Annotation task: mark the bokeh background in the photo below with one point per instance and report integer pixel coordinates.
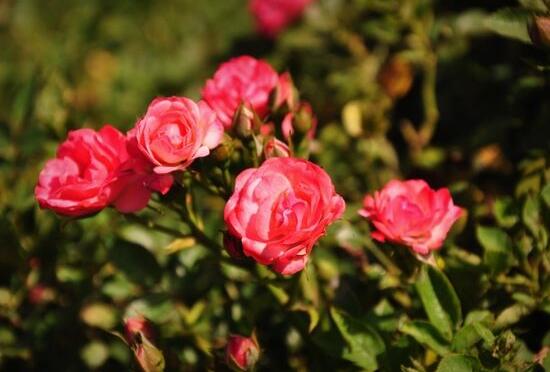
(442, 90)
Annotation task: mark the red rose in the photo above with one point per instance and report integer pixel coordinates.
(273, 16)
(90, 171)
(280, 210)
(175, 131)
(242, 353)
(243, 80)
(412, 214)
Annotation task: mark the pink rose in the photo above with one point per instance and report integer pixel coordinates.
(273, 16)
(280, 210)
(242, 80)
(86, 175)
(93, 170)
(242, 353)
(412, 214)
(175, 131)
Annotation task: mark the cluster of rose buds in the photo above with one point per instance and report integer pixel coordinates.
(280, 205)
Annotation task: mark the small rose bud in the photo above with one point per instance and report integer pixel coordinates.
(276, 149)
(138, 333)
(41, 294)
(137, 325)
(539, 31)
(233, 246)
(225, 150)
(305, 120)
(246, 122)
(242, 353)
(284, 93)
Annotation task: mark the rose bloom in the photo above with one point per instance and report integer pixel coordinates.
(242, 353)
(175, 131)
(273, 16)
(88, 174)
(242, 80)
(280, 210)
(412, 214)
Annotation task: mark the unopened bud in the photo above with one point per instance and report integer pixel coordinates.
(305, 120)
(242, 353)
(283, 93)
(224, 150)
(539, 31)
(246, 122)
(138, 333)
(276, 149)
(137, 325)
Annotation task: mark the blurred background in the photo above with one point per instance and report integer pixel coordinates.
(453, 92)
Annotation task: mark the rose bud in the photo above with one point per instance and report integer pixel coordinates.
(245, 122)
(539, 31)
(304, 121)
(233, 246)
(280, 210)
(284, 93)
(273, 16)
(242, 353)
(41, 294)
(138, 334)
(137, 325)
(93, 170)
(240, 81)
(175, 131)
(412, 214)
(274, 148)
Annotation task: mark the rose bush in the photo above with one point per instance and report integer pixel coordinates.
(374, 98)
(280, 210)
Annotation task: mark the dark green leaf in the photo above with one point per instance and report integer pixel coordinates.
(136, 262)
(426, 334)
(511, 23)
(440, 300)
(459, 363)
(364, 343)
(497, 247)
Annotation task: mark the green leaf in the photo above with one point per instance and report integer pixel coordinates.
(99, 315)
(470, 335)
(532, 218)
(497, 247)
(137, 263)
(459, 363)
(511, 23)
(426, 334)
(364, 344)
(537, 5)
(440, 300)
(94, 354)
(505, 212)
(545, 195)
